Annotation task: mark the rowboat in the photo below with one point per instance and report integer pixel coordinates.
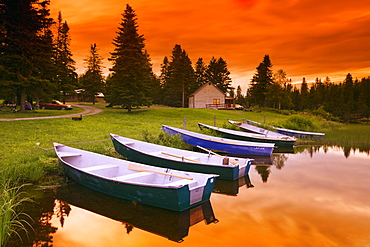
(227, 168)
(160, 187)
(284, 141)
(289, 132)
(234, 147)
(169, 224)
(256, 129)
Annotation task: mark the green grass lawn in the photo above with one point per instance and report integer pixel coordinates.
(26, 154)
(21, 158)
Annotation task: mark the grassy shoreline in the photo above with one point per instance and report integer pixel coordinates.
(21, 159)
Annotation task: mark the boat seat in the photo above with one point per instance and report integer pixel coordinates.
(132, 175)
(68, 154)
(94, 168)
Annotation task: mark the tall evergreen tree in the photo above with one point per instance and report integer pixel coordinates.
(219, 74)
(92, 80)
(24, 46)
(239, 96)
(132, 75)
(348, 97)
(201, 72)
(260, 82)
(66, 78)
(181, 78)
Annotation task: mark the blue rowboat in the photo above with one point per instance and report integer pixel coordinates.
(296, 133)
(159, 187)
(229, 146)
(227, 168)
(279, 141)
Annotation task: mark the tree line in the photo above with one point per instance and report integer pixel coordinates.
(36, 63)
(345, 100)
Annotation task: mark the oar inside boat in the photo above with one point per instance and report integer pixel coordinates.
(139, 168)
(180, 157)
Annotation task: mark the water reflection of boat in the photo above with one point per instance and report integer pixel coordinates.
(231, 188)
(166, 223)
(259, 160)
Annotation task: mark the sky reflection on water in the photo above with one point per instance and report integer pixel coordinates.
(316, 198)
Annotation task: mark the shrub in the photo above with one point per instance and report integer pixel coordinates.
(298, 122)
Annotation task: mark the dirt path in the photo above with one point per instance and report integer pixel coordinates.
(88, 110)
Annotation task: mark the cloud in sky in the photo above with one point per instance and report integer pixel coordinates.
(306, 38)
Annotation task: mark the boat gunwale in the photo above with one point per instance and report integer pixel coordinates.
(166, 186)
(224, 140)
(247, 135)
(230, 165)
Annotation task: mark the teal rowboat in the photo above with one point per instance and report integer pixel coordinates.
(185, 160)
(159, 187)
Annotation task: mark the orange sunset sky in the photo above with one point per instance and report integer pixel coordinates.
(305, 38)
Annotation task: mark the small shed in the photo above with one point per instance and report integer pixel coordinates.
(211, 97)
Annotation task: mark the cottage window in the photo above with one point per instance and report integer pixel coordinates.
(216, 101)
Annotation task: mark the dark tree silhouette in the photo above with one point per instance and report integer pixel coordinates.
(132, 77)
(92, 80)
(260, 83)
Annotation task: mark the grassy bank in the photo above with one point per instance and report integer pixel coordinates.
(20, 157)
(26, 154)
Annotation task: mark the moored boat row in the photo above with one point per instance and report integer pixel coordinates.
(279, 141)
(290, 132)
(167, 177)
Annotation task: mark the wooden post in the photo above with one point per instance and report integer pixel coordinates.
(214, 121)
(184, 123)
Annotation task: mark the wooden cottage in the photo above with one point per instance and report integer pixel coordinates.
(211, 97)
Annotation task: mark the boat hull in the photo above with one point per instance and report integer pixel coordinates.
(177, 198)
(294, 133)
(226, 146)
(224, 172)
(277, 141)
(299, 134)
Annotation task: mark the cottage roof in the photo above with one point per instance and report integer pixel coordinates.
(205, 85)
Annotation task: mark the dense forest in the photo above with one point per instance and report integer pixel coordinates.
(36, 63)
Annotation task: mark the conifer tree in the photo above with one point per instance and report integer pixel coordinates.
(218, 73)
(24, 46)
(260, 82)
(92, 80)
(201, 72)
(181, 79)
(239, 96)
(132, 77)
(66, 77)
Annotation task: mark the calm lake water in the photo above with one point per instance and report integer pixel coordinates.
(313, 197)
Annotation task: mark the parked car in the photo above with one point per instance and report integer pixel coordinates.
(55, 105)
(239, 107)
